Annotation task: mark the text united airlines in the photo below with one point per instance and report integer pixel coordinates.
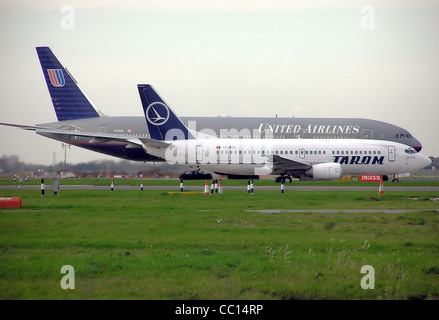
(323, 129)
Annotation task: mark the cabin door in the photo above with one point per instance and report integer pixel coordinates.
(199, 154)
(392, 155)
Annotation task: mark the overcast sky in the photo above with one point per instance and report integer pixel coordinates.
(344, 58)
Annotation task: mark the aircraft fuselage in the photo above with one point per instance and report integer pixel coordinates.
(229, 127)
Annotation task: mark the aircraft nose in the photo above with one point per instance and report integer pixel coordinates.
(426, 161)
(417, 145)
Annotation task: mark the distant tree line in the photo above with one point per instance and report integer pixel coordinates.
(10, 165)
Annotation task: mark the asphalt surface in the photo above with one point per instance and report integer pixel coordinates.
(243, 188)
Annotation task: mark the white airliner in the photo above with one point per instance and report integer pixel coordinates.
(321, 159)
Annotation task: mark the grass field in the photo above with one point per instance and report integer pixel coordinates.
(154, 245)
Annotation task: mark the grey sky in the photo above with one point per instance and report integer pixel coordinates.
(237, 58)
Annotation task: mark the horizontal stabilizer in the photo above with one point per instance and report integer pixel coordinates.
(21, 126)
(154, 143)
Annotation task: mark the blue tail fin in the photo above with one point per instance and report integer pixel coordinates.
(68, 99)
(162, 123)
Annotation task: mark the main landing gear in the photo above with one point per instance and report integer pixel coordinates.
(196, 175)
(285, 179)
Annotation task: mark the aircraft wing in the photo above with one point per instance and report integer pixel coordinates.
(99, 137)
(283, 165)
(95, 136)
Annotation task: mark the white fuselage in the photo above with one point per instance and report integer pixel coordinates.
(258, 156)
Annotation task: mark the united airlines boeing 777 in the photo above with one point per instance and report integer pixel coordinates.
(82, 124)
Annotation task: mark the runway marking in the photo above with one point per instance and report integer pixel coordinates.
(185, 192)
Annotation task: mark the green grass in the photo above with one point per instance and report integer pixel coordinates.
(153, 245)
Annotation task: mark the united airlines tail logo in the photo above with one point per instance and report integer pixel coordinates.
(56, 77)
(157, 113)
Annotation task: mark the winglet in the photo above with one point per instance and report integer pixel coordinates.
(162, 122)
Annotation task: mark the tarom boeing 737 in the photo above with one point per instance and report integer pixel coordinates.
(319, 159)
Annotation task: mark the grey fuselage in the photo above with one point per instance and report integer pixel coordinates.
(229, 127)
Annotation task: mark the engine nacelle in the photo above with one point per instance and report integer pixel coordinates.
(325, 171)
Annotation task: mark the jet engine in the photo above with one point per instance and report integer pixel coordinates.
(325, 171)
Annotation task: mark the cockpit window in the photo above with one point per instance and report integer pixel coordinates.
(410, 151)
(403, 136)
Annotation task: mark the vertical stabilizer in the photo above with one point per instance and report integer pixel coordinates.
(162, 122)
(69, 100)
